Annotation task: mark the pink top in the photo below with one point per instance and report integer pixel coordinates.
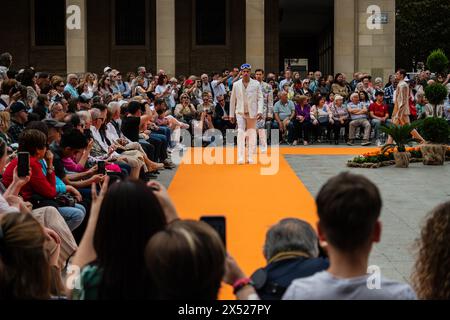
(72, 166)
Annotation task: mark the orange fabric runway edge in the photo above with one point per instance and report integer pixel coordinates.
(250, 201)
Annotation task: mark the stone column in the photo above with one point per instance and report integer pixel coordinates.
(165, 36)
(76, 40)
(344, 37)
(376, 42)
(254, 29)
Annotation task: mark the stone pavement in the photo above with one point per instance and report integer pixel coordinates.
(408, 195)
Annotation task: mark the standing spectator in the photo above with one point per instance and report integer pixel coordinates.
(379, 114)
(287, 80)
(339, 87)
(264, 124)
(359, 118)
(5, 63)
(218, 86)
(349, 225)
(389, 95)
(72, 83)
(291, 251)
(432, 267)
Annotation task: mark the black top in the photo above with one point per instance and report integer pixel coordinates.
(60, 172)
(272, 281)
(130, 128)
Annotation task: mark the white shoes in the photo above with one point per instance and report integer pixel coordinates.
(240, 161)
(263, 150)
(379, 144)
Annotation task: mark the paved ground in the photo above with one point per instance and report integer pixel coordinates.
(408, 195)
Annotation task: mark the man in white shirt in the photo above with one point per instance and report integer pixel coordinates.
(246, 106)
(218, 86)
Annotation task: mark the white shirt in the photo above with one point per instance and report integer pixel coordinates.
(219, 89)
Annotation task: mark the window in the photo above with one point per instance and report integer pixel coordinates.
(211, 22)
(130, 22)
(49, 22)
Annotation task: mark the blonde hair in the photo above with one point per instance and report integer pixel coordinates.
(5, 118)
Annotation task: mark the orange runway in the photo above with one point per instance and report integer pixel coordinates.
(250, 201)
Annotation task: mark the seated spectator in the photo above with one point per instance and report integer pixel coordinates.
(205, 112)
(54, 225)
(29, 271)
(57, 94)
(291, 251)
(57, 111)
(302, 121)
(112, 266)
(349, 226)
(186, 248)
(432, 267)
(135, 128)
(221, 115)
(105, 150)
(321, 118)
(358, 118)
(72, 83)
(42, 189)
(421, 102)
(5, 121)
(6, 98)
(284, 112)
(185, 111)
(165, 124)
(341, 118)
(379, 114)
(19, 117)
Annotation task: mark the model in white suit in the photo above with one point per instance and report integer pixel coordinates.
(246, 106)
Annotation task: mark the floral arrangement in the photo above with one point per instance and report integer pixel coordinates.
(376, 159)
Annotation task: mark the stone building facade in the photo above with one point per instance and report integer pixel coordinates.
(195, 36)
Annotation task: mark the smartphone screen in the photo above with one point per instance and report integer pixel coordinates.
(218, 223)
(23, 164)
(101, 167)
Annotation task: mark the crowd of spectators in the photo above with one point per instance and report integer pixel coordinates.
(62, 227)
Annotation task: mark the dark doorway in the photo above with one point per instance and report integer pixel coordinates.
(306, 34)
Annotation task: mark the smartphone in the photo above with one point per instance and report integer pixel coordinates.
(23, 164)
(218, 223)
(101, 167)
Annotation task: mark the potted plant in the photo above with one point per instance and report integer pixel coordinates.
(436, 132)
(401, 136)
(436, 94)
(437, 61)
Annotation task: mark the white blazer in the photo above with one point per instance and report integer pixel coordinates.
(254, 96)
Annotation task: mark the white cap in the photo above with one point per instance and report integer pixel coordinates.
(107, 69)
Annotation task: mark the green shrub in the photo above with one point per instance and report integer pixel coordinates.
(435, 130)
(436, 93)
(400, 134)
(437, 61)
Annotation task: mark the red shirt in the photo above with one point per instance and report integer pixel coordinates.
(379, 110)
(44, 186)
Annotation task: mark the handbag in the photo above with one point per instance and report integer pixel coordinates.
(65, 200)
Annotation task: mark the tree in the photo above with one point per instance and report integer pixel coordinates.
(421, 27)
(437, 61)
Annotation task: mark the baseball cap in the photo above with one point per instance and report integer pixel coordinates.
(107, 69)
(246, 66)
(16, 107)
(379, 93)
(51, 123)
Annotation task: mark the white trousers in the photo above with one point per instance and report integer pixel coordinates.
(246, 127)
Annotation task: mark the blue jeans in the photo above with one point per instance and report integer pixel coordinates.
(73, 215)
(376, 124)
(165, 131)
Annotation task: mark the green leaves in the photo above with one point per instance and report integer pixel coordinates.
(437, 61)
(421, 27)
(400, 134)
(436, 93)
(435, 130)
